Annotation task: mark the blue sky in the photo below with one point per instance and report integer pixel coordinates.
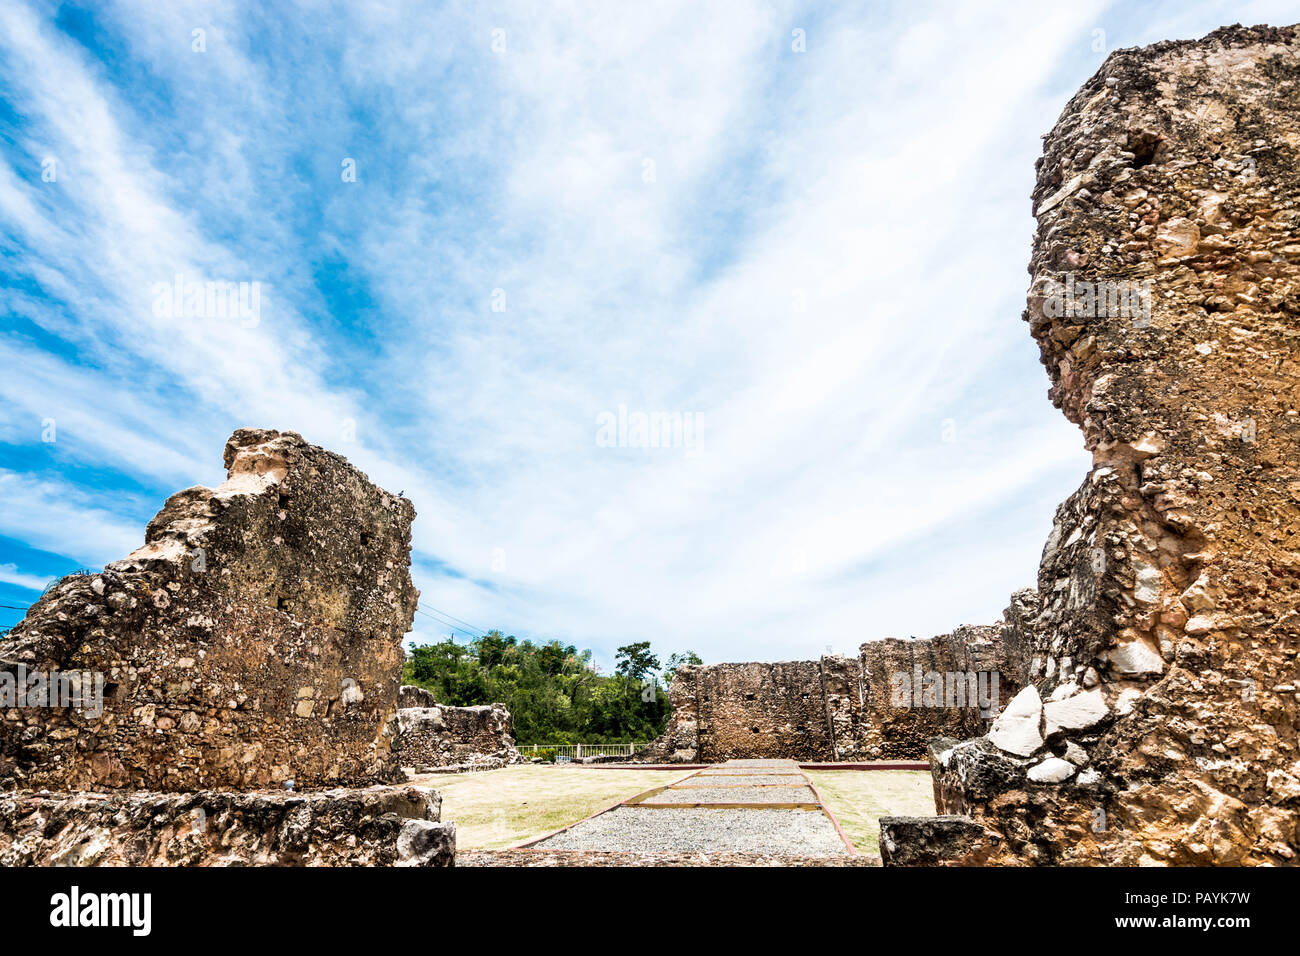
(817, 257)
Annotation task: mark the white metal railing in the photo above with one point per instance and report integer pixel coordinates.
(578, 751)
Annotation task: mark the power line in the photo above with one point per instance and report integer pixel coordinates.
(459, 621)
(15, 607)
(439, 620)
(447, 623)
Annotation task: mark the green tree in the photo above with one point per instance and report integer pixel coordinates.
(635, 660)
(551, 689)
(492, 648)
(551, 658)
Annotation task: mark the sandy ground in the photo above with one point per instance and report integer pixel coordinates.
(859, 798)
(497, 808)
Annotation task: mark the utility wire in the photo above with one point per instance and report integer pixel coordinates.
(447, 623)
(459, 621)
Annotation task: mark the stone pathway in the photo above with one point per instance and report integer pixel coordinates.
(738, 807)
(551, 858)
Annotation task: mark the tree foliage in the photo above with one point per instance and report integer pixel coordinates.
(552, 691)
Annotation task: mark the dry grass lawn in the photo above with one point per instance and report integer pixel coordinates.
(859, 798)
(496, 808)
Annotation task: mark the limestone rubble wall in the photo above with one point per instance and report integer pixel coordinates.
(439, 736)
(1160, 721)
(254, 639)
(755, 710)
(888, 729)
(377, 826)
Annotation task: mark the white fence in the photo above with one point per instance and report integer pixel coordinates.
(578, 751)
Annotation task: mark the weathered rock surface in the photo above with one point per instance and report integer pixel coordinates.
(1166, 629)
(254, 639)
(934, 841)
(441, 737)
(377, 826)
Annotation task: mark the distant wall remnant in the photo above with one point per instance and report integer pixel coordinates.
(254, 639)
(440, 737)
(409, 695)
(761, 710)
(886, 703)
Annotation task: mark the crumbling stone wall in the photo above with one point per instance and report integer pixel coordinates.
(680, 741)
(439, 737)
(409, 695)
(887, 727)
(255, 638)
(838, 708)
(1160, 723)
(376, 826)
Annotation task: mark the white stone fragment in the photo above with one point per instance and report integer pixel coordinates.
(1126, 699)
(1016, 729)
(1062, 691)
(1149, 582)
(1135, 658)
(1051, 770)
(1079, 712)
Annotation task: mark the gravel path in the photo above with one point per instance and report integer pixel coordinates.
(733, 795)
(720, 780)
(647, 830)
(550, 858)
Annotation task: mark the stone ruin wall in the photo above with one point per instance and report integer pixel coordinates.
(433, 736)
(255, 638)
(253, 643)
(1160, 722)
(758, 710)
(882, 729)
(833, 709)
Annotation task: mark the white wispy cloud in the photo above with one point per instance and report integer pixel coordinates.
(54, 516)
(9, 574)
(820, 254)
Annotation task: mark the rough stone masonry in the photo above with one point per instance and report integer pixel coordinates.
(840, 708)
(372, 826)
(1159, 724)
(255, 638)
(437, 737)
